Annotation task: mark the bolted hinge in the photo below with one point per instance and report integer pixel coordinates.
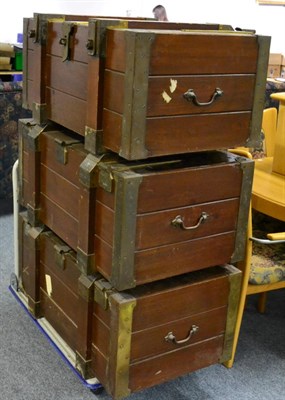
(67, 32)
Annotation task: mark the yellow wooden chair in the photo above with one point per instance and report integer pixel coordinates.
(268, 198)
(269, 124)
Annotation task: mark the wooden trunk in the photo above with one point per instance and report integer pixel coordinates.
(97, 50)
(66, 298)
(175, 92)
(56, 291)
(67, 71)
(136, 334)
(35, 67)
(64, 60)
(170, 216)
(51, 188)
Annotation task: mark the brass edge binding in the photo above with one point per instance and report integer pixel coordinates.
(234, 277)
(41, 21)
(124, 236)
(35, 234)
(97, 31)
(105, 178)
(86, 287)
(26, 229)
(87, 171)
(85, 293)
(33, 216)
(33, 136)
(25, 64)
(94, 140)
(39, 112)
(24, 125)
(22, 228)
(138, 49)
(255, 139)
(247, 167)
(225, 28)
(85, 262)
(83, 366)
(37, 34)
(34, 307)
(102, 291)
(121, 320)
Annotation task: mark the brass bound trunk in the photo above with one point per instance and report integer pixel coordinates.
(160, 331)
(56, 291)
(131, 339)
(66, 298)
(35, 66)
(169, 92)
(51, 190)
(64, 65)
(169, 216)
(147, 83)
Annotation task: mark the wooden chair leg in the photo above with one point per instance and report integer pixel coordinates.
(230, 362)
(262, 302)
(245, 267)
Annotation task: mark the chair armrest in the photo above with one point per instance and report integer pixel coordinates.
(276, 236)
(241, 151)
(273, 238)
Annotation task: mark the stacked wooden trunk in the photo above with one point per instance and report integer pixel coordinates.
(135, 212)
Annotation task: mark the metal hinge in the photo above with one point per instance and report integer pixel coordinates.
(91, 40)
(67, 32)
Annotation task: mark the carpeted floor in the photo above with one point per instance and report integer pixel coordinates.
(31, 369)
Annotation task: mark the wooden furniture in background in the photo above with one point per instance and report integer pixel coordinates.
(269, 123)
(268, 192)
(268, 197)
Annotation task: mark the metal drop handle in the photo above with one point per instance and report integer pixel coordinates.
(178, 222)
(190, 95)
(172, 339)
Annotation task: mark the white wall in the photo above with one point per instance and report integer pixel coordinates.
(266, 20)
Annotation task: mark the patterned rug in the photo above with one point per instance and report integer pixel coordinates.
(268, 261)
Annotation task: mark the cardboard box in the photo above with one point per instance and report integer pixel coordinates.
(275, 58)
(282, 70)
(274, 65)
